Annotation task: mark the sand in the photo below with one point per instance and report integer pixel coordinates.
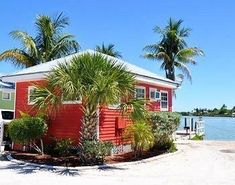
(197, 163)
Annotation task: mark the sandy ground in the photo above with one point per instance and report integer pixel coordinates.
(204, 163)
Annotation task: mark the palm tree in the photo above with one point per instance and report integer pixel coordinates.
(108, 50)
(172, 49)
(49, 43)
(92, 78)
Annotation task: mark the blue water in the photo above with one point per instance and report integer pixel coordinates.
(217, 128)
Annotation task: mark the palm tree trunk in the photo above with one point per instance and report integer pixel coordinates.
(89, 125)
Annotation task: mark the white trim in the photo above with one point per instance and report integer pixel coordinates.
(15, 101)
(71, 102)
(155, 90)
(164, 109)
(28, 95)
(98, 124)
(5, 98)
(141, 87)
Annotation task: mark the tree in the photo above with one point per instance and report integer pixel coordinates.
(108, 50)
(94, 79)
(28, 130)
(141, 136)
(172, 49)
(48, 44)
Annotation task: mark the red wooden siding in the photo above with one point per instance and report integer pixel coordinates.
(67, 122)
(108, 130)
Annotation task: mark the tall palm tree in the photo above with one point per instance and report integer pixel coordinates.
(108, 50)
(93, 78)
(172, 49)
(48, 44)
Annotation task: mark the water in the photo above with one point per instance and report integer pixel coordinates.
(217, 128)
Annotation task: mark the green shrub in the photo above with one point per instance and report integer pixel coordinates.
(94, 152)
(141, 136)
(63, 146)
(28, 130)
(164, 124)
(197, 137)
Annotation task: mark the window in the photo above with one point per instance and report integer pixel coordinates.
(8, 115)
(154, 94)
(164, 101)
(67, 101)
(31, 90)
(140, 92)
(6, 95)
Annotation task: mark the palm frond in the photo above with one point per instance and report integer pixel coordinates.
(184, 68)
(18, 57)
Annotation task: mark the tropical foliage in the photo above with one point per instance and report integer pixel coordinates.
(164, 124)
(28, 131)
(94, 79)
(223, 111)
(48, 44)
(141, 136)
(172, 50)
(109, 50)
(94, 152)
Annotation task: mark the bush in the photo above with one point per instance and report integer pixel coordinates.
(63, 146)
(164, 124)
(197, 137)
(94, 152)
(28, 130)
(141, 136)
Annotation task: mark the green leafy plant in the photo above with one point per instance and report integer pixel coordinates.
(197, 137)
(94, 152)
(28, 130)
(164, 124)
(63, 146)
(141, 137)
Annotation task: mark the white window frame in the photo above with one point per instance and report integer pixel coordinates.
(155, 91)
(143, 88)
(29, 89)
(72, 102)
(5, 98)
(164, 109)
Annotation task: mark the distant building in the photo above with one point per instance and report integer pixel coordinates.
(7, 95)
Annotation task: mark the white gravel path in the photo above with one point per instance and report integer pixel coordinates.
(199, 163)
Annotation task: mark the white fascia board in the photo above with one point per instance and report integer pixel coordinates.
(25, 77)
(157, 82)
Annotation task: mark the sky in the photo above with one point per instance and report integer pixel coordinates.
(129, 25)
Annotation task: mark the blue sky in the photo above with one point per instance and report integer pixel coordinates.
(129, 24)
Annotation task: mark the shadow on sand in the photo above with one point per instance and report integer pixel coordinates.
(24, 168)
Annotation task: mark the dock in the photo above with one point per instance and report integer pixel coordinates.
(192, 127)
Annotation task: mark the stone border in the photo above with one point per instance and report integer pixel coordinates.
(104, 166)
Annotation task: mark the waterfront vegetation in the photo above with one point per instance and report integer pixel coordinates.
(172, 50)
(48, 44)
(224, 111)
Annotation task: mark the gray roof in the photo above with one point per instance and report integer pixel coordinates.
(44, 68)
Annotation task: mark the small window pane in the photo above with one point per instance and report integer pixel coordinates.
(152, 94)
(140, 93)
(6, 96)
(164, 100)
(31, 91)
(157, 95)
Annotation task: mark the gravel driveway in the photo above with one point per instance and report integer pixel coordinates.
(206, 162)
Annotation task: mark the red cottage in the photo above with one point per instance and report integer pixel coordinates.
(66, 123)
